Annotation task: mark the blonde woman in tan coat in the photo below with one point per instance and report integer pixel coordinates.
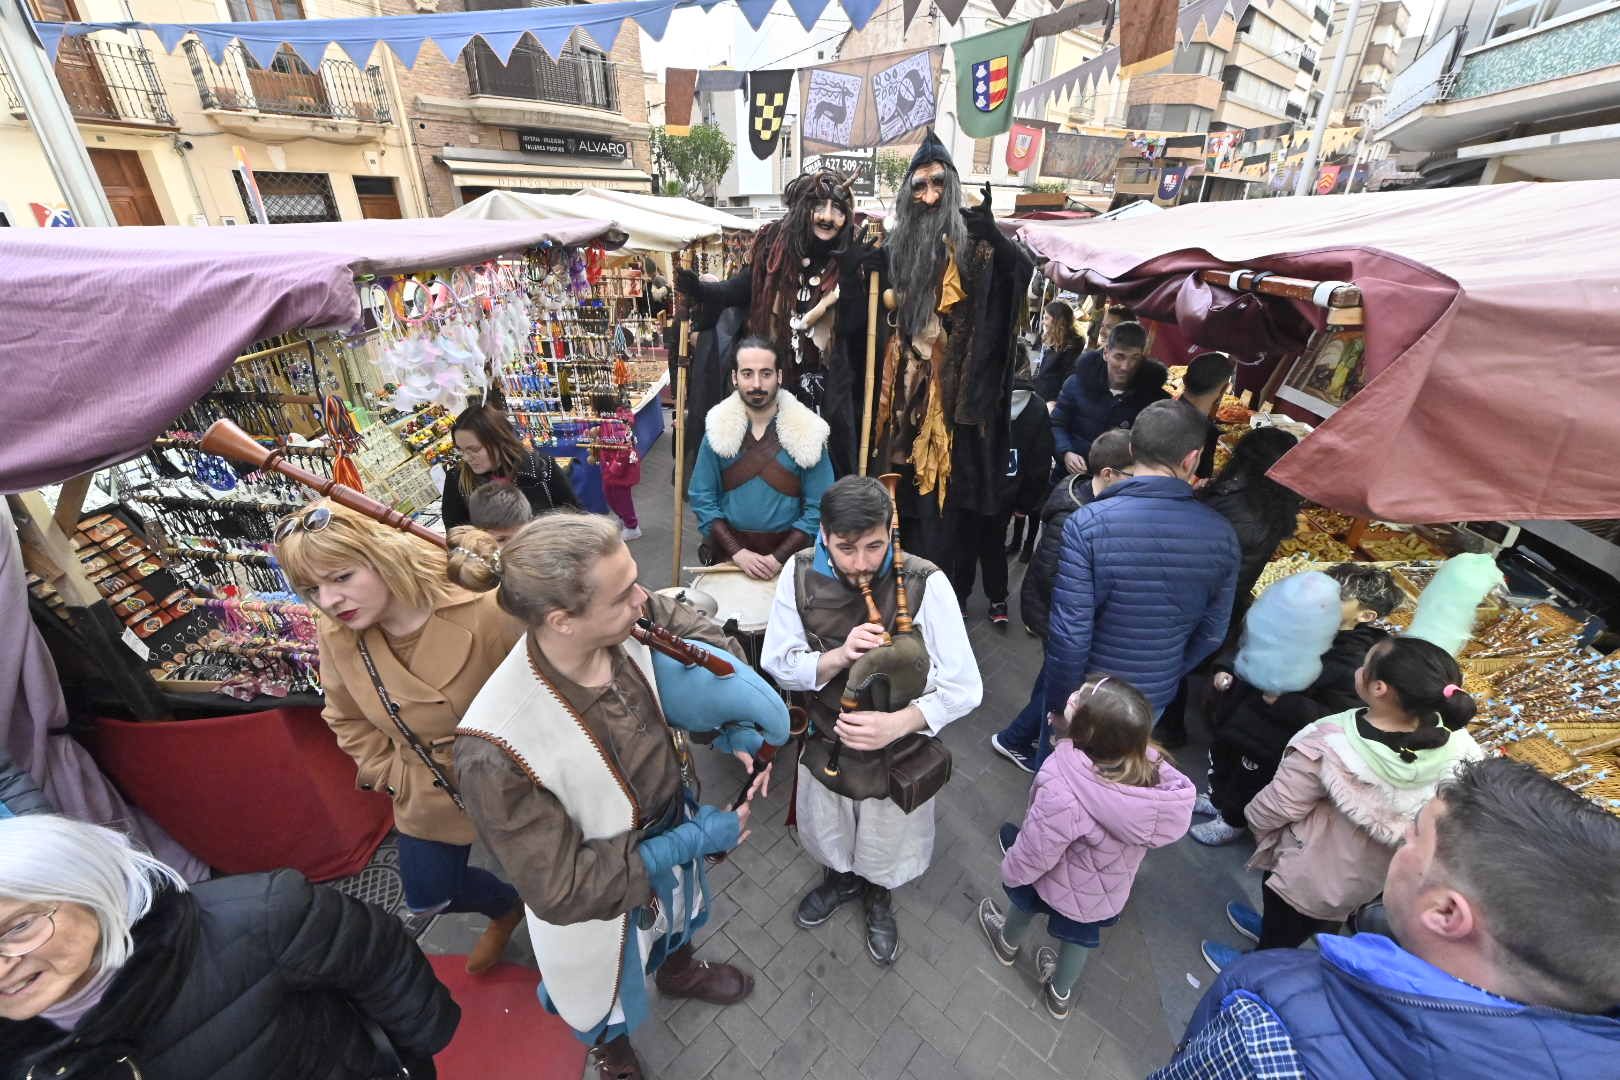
(395, 635)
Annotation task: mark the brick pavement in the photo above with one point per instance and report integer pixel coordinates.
(947, 1009)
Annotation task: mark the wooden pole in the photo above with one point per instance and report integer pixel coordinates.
(871, 370)
(680, 446)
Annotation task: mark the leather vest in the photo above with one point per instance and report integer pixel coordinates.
(829, 610)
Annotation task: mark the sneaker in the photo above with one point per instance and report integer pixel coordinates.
(1245, 920)
(1057, 1005)
(1202, 805)
(998, 615)
(1006, 835)
(1219, 956)
(1023, 759)
(1216, 833)
(630, 534)
(992, 921)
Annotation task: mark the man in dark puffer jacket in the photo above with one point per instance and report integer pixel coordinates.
(1502, 898)
(1147, 574)
(1107, 390)
(256, 977)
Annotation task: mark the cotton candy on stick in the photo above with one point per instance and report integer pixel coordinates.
(1286, 632)
(1448, 607)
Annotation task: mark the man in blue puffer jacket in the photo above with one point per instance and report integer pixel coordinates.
(1503, 898)
(1145, 580)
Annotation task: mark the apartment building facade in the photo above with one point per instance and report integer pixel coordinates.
(1253, 74)
(536, 123)
(1374, 43)
(165, 132)
(1506, 90)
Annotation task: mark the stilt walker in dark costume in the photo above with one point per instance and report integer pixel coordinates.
(955, 287)
(800, 268)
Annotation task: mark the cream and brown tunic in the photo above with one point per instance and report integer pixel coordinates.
(562, 877)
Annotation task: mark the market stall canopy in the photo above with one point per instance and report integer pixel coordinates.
(1492, 335)
(676, 206)
(109, 334)
(644, 229)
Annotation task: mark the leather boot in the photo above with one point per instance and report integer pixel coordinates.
(820, 902)
(492, 944)
(615, 1060)
(683, 975)
(882, 936)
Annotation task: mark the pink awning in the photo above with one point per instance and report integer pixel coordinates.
(107, 335)
(1493, 335)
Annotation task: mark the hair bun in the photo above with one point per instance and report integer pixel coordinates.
(475, 559)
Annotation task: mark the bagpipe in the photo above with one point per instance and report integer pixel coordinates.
(703, 689)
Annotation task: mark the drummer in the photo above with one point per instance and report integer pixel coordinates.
(756, 487)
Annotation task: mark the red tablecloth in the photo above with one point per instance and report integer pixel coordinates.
(251, 792)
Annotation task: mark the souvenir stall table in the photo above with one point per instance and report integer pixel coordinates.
(1431, 351)
(340, 345)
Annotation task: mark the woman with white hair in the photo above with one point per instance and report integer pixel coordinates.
(110, 967)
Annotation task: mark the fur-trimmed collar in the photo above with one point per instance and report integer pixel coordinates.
(1366, 798)
(801, 432)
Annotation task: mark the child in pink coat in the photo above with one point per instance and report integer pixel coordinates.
(1103, 797)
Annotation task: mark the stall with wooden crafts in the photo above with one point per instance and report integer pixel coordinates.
(1423, 347)
(344, 349)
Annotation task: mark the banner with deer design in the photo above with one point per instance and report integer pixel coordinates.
(872, 101)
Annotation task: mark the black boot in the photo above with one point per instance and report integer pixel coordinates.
(882, 936)
(820, 902)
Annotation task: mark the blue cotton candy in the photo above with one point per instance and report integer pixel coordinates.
(1447, 609)
(1286, 632)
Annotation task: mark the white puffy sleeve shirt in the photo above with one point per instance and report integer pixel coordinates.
(954, 688)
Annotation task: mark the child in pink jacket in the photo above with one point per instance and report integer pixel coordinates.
(1103, 797)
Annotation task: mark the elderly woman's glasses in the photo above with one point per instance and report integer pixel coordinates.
(24, 937)
(309, 521)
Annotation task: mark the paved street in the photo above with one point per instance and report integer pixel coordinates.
(946, 1009)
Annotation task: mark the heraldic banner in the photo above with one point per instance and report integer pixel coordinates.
(767, 108)
(1023, 146)
(872, 101)
(1080, 157)
(986, 77)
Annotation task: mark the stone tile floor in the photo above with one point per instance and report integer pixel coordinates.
(946, 1009)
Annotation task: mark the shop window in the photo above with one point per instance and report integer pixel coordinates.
(291, 198)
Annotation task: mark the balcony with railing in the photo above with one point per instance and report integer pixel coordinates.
(337, 91)
(585, 79)
(105, 81)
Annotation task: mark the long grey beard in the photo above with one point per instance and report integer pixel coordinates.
(917, 254)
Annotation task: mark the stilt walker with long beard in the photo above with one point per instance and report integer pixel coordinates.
(955, 289)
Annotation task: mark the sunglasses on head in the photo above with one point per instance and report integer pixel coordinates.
(310, 521)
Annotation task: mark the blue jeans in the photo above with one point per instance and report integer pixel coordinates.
(438, 879)
(1028, 732)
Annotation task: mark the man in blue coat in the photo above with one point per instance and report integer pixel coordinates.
(1146, 574)
(1503, 901)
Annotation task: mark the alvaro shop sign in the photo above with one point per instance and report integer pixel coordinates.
(569, 144)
